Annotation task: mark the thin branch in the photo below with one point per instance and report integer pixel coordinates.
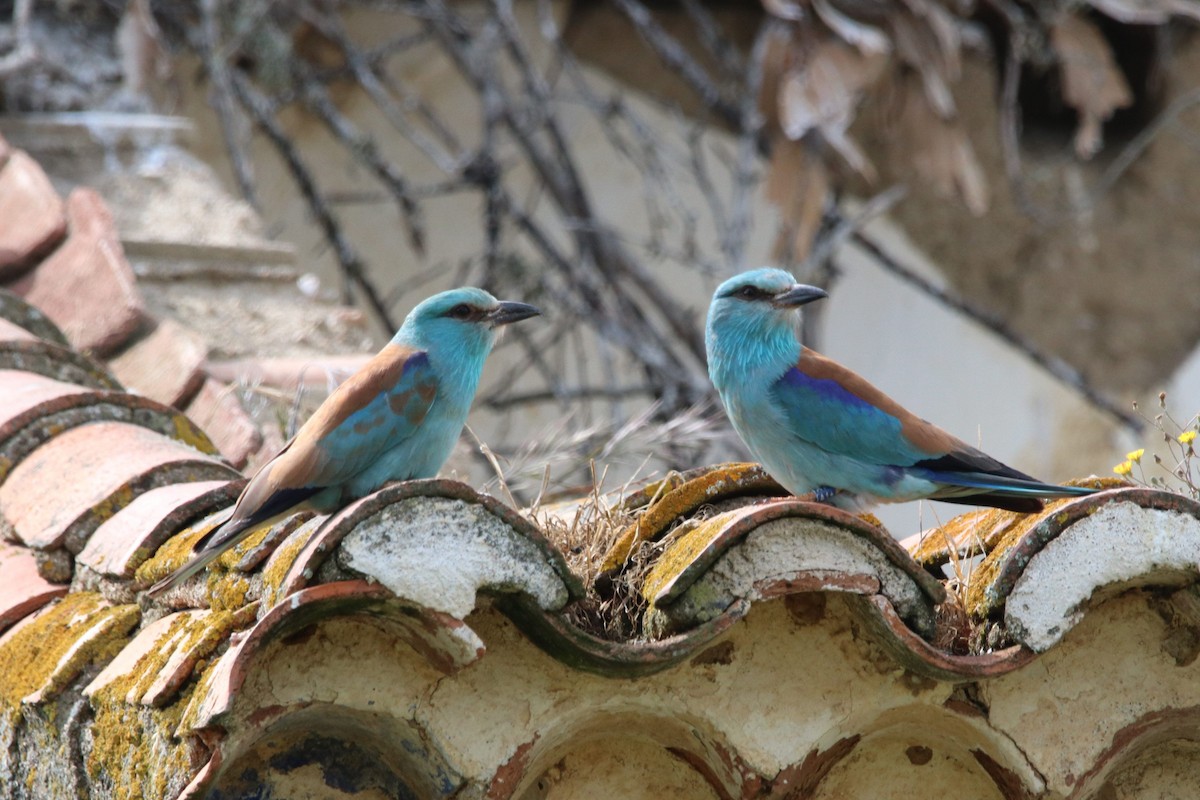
(262, 111)
(218, 75)
(367, 74)
(24, 52)
(717, 44)
(678, 61)
(364, 150)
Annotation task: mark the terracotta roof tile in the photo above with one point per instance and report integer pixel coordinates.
(164, 363)
(22, 589)
(92, 472)
(33, 409)
(571, 645)
(5, 151)
(277, 571)
(48, 650)
(216, 409)
(33, 214)
(1083, 550)
(784, 546)
(129, 537)
(163, 655)
(454, 542)
(86, 286)
(20, 313)
(680, 496)
(53, 361)
(10, 331)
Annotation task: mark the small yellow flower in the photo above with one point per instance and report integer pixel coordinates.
(1187, 437)
(1136, 455)
(1124, 468)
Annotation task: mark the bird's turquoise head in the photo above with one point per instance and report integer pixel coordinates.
(752, 322)
(459, 326)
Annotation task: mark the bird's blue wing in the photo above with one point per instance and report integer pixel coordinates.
(378, 408)
(831, 407)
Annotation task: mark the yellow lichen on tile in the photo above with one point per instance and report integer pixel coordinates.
(133, 745)
(871, 519)
(680, 501)
(970, 534)
(1005, 537)
(113, 503)
(681, 553)
(230, 558)
(173, 553)
(276, 570)
(190, 434)
(227, 591)
(51, 650)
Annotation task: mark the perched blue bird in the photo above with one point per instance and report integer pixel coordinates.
(818, 427)
(396, 419)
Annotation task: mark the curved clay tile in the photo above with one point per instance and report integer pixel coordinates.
(54, 361)
(995, 576)
(34, 409)
(34, 216)
(164, 363)
(15, 310)
(780, 548)
(579, 649)
(130, 536)
(93, 471)
(681, 496)
(22, 589)
(86, 286)
(1094, 547)
(437, 543)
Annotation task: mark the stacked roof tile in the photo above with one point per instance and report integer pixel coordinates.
(420, 642)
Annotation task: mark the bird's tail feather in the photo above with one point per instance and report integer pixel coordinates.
(1004, 485)
(198, 562)
(1001, 491)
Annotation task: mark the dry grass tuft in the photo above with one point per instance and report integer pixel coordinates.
(585, 531)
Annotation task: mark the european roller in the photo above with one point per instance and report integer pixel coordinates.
(819, 428)
(396, 419)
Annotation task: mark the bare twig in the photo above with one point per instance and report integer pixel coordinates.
(218, 74)
(679, 62)
(364, 149)
(262, 112)
(24, 52)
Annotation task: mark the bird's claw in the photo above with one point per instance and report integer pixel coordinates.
(823, 494)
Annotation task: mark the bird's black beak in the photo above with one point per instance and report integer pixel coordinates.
(509, 311)
(797, 296)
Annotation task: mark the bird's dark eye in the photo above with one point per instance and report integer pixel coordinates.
(461, 311)
(748, 292)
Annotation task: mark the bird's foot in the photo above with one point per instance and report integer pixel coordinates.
(824, 494)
